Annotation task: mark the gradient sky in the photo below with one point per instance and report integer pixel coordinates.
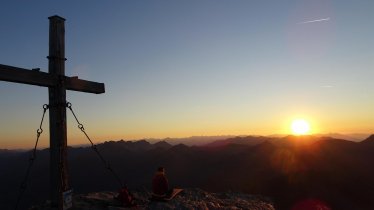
(184, 68)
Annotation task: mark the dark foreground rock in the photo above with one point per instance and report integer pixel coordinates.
(189, 199)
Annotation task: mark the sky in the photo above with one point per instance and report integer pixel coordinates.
(191, 68)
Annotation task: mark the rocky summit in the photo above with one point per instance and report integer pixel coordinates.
(189, 199)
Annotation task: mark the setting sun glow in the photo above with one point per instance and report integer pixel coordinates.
(300, 127)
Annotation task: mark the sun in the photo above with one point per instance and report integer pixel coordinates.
(300, 127)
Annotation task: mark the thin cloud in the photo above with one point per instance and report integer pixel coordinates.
(317, 20)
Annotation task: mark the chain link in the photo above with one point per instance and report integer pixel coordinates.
(39, 131)
(94, 147)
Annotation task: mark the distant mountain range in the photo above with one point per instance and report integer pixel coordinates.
(202, 140)
(288, 169)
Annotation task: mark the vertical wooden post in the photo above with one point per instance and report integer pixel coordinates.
(59, 181)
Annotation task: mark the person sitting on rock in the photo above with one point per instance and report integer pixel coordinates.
(160, 184)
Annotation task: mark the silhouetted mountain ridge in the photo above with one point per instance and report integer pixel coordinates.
(287, 169)
(248, 140)
(369, 140)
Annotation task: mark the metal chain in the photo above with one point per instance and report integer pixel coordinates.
(39, 131)
(94, 147)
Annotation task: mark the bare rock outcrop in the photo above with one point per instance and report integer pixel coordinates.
(189, 199)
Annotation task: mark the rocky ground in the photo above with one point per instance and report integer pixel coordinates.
(189, 199)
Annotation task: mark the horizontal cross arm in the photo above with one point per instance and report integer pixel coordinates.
(73, 83)
(36, 77)
(25, 76)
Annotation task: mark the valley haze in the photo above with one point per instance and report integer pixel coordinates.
(201, 140)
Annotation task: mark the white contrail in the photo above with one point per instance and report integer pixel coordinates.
(313, 21)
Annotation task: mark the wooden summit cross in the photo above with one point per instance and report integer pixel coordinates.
(57, 84)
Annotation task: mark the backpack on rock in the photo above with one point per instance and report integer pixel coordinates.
(125, 197)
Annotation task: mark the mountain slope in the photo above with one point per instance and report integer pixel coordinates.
(287, 169)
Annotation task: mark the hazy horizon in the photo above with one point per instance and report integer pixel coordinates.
(194, 140)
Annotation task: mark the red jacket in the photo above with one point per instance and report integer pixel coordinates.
(160, 184)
